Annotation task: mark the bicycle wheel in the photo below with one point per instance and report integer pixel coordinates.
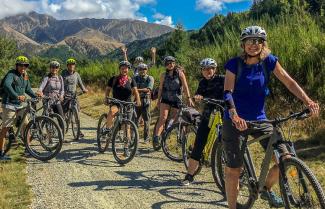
(187, 147)
(124, 135)
(299, 186)
(45, 138)
(102, 138)
(218, 163)
(10, 139)
(75, 124)
(59, 120)
(172, 143)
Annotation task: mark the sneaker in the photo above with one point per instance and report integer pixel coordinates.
(272, 198)
(4, 158)
(188, 180)
(126, 152)
(156, 142)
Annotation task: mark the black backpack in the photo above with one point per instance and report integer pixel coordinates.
(2, 90)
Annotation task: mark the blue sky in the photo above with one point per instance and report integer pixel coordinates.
(193, 14)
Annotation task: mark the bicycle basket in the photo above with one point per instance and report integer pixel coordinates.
(191, 115)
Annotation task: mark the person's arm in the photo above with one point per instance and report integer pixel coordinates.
(229, 85)
(149, 88)
(184, 84)
(80, 83)
(124, 51)
(153, 56)
(161, 84)
(8, 86)
(136, 95)
(43, 84)
(295, 89)
(29, 90)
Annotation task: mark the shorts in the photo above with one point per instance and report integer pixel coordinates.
(9, 117)
(170, 103)
(234, 141)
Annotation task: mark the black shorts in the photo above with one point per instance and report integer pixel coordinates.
(234, 141)
(170, 103)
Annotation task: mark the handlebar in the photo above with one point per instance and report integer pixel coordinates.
(120, 102)
(295, 116)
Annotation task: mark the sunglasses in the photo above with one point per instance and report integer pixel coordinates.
(23, 65)
(168, 63)
(254, 41)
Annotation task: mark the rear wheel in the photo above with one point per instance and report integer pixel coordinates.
(59, 120)
(102, 138)
(299, 186)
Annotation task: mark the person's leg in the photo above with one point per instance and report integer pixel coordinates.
(232, 185)
(110, 116)
(8, 119)
(164, 109)
(146, 119)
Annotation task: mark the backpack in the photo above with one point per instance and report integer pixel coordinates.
(154, 93)
(2, 89)
(265, 71)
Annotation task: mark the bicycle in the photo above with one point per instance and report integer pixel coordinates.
(124, 132)
(290, 167)
(45, 136)
(48, 111)
(187, 121)
(213, 139)
(72, 115)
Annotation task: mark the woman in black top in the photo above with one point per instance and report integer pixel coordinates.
(211, 86)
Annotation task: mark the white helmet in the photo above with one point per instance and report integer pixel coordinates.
(253, 32)
(139, 59)
(208, 62)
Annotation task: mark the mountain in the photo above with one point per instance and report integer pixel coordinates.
(87, 36)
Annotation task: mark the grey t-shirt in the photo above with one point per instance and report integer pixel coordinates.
(71, 80)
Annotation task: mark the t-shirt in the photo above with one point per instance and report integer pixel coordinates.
(144, 82)
(251, 89)
(123, 93)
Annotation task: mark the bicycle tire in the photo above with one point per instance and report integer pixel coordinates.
(9, 141)
(302, 169)
(42, 120)
(165, 141)
(156, 147)
(186, 153)
(75, 124)
(105, 142)
(217, 161)
(115, 141)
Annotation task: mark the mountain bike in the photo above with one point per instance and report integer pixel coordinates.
(214, 136)
(72, 117)
(298, 185)
(185, 126)
(124, 132)
(42, 136)
(48, 111)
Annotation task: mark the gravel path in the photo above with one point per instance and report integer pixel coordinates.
(80, 177)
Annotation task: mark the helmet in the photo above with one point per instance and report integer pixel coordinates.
(71, 61)
(253, 32)
(139, 59)
(169, 59)
(54, 64)
(208, 62)
(124, 63)
(142, 66)
(22, 60)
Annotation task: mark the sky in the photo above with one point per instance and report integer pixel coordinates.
(192, 14)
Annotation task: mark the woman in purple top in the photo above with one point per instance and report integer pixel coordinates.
(245, 91)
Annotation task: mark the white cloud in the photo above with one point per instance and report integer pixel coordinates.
(163, 19)
(75, 9)
(13, 7)
(213, 6)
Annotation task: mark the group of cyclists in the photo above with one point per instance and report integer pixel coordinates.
(243, 88)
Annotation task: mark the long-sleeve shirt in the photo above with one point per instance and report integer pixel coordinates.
(52, 86)
(16, 84)
(71, 80)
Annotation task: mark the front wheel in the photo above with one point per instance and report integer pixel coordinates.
(59, 120)
(43, 138)
(218, 164)
(299, 186)
(102, 138)
(125, 139)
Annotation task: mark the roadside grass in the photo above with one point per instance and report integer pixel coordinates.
(310, 147)
(14, 190)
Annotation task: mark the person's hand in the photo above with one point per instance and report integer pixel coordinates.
(198, 98)
(153, 50)
(124, 49)
(190, 102)
(239, 123)
(313, 107)
(21, 98)
(39, 94)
